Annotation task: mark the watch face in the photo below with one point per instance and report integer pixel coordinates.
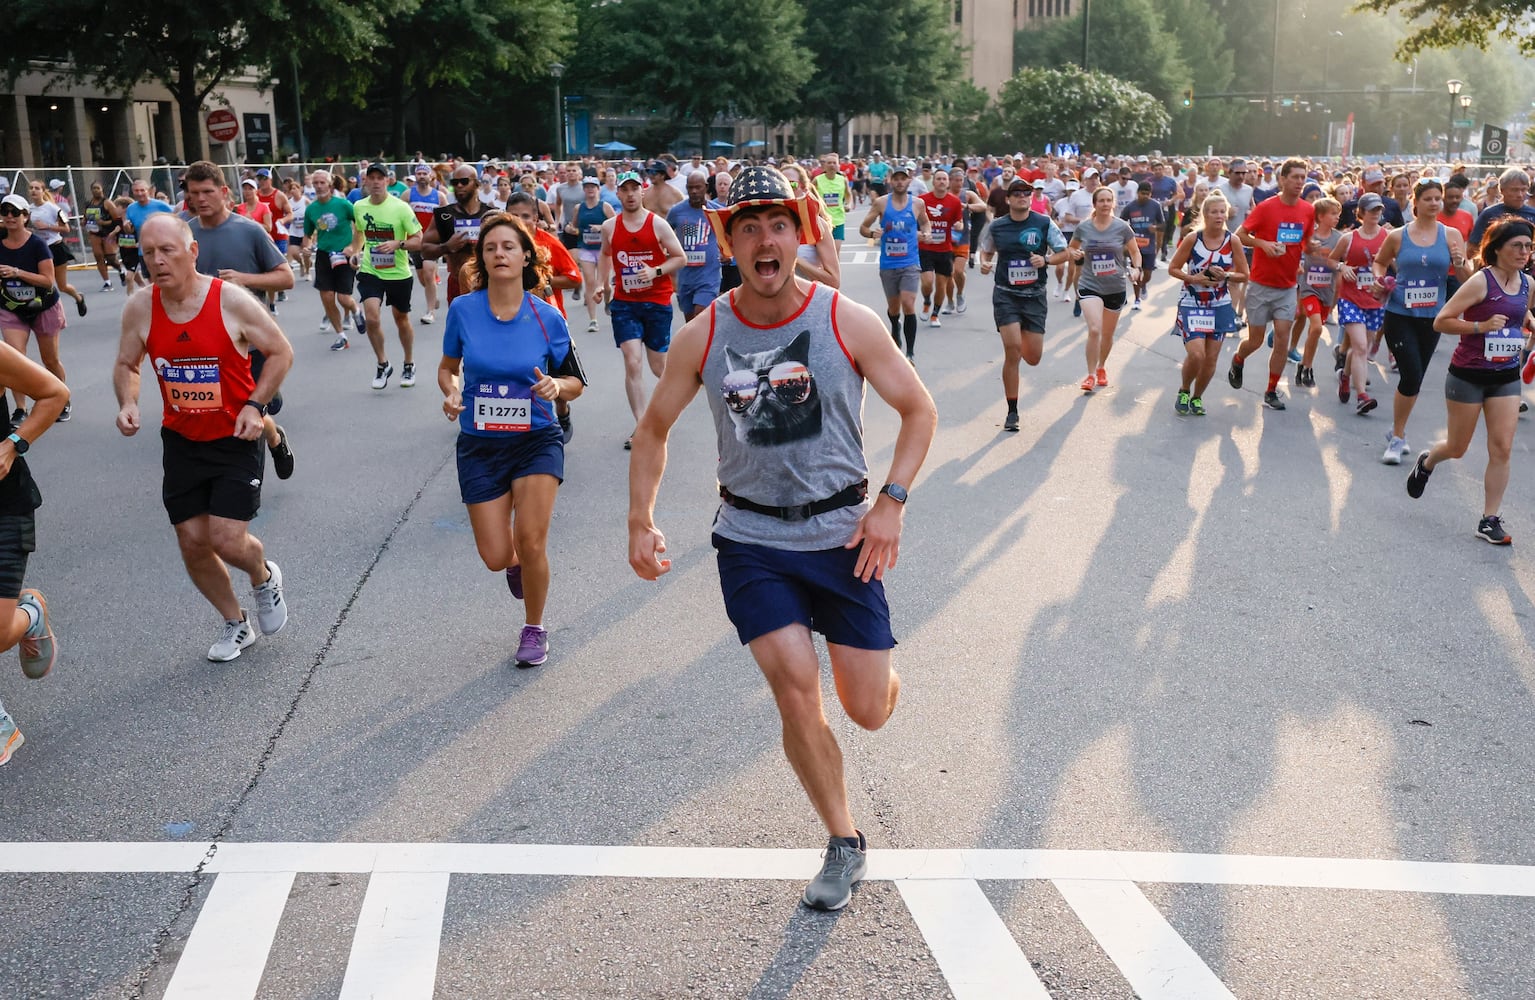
(897, 493)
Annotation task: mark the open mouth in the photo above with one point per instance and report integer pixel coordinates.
(766, 268)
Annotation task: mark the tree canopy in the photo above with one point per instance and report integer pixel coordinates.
(1438, 25)
(1040, 106)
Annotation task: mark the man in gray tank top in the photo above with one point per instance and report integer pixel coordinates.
(800, 547)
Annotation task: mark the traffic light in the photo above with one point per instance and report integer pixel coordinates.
(1188, 98)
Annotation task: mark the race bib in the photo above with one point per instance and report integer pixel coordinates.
(1501, 346)
(92, 227)
(695, 258)
(1199, 320)
(1291, 233)
(631, 280)
(1022, 274)
(127, 241)
(338, 258)
(1419, 294)
(470, 228)
(1143, 241)
(1102, 262)
(381, 260)
(934, 235)
(502, 407)
(897, 248)
(1364, 277)
(1318, 276)
(19, 291)
(193, 385)
(592, 237)
(832, 199)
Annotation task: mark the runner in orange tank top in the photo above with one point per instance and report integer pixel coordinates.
(199, 342)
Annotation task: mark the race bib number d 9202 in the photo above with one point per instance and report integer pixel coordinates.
(502, 407)
(193, 385)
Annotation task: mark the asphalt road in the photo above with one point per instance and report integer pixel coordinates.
(1219, 643)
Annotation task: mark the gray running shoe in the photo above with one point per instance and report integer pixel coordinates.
(844, 865)
(271, 609)
(234, 637)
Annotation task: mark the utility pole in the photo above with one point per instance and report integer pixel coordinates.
(1086, 12)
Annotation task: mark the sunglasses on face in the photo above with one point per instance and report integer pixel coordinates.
(9, 211)
(790, 381)
(462, 180)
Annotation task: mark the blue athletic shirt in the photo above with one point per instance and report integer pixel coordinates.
(139, 214)
(1420, 276)
(499, 358)
(898, 242)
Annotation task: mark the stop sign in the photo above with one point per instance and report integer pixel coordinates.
(223, 126)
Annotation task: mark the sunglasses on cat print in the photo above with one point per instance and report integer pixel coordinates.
(790, 381)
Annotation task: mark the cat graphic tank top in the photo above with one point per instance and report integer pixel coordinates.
(787, 403)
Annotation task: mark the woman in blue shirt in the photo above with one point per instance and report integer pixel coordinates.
(515, 354)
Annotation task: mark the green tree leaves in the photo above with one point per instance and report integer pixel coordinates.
(1095, 109)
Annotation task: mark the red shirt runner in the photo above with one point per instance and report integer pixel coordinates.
(943, 214)
(632, 252)
(561, 265)
(204, 379)
(1288, 225)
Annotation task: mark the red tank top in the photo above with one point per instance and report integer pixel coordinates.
(204, 379)
(633, 252)
(1361, 254)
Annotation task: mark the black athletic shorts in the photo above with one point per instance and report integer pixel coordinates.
(394, 291)
(18, 540)
(937, 261)
(221, 477)
(61, 254)
(339, 278)
(1112, 301)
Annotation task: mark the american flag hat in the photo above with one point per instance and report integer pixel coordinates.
(758, 186)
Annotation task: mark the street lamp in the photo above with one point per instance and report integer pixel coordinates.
(1327, 55)
(1465, 113)
(557, 70)
(1449, 133)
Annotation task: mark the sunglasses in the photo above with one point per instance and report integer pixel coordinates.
(790, 381)
(462, 180)
(10, 210)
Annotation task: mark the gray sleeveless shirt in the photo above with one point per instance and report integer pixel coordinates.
(788, 415)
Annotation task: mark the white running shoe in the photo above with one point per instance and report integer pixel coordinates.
(324, 325)
(428, 319)
(407, 376)
(933, 321)
(271, 609)
(959, 304)
(381, 375)
(234, 637)
(1395, 448)
(591, 326)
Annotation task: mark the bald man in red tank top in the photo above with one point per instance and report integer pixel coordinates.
(199, 340)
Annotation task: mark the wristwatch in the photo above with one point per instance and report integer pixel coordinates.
(260, 407)
(894, 491)
(21, 443)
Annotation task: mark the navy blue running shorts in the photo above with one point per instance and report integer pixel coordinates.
(487, 466)
(766, 589)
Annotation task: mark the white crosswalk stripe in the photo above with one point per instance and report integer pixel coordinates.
(394, 952)
(859, 256)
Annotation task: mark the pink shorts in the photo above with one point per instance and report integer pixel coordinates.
(48, 323)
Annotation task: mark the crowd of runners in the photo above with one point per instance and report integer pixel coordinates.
(747, 256)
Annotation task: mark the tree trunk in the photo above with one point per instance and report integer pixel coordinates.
(189, 109)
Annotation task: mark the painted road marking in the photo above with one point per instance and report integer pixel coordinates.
(228, 947)
(974, 950)
(1156, 962)
(394, 952)
(860, 256)
(395, 949)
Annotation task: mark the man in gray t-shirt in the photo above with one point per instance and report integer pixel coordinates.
(568, 197)
(238, 251)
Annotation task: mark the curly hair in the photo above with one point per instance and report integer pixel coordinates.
(535, 275)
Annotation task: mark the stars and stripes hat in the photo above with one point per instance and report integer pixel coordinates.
(758, 187)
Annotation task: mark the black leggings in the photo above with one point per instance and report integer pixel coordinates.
(1412, 340)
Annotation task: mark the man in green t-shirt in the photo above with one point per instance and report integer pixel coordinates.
(328, 229)
(385, 229)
